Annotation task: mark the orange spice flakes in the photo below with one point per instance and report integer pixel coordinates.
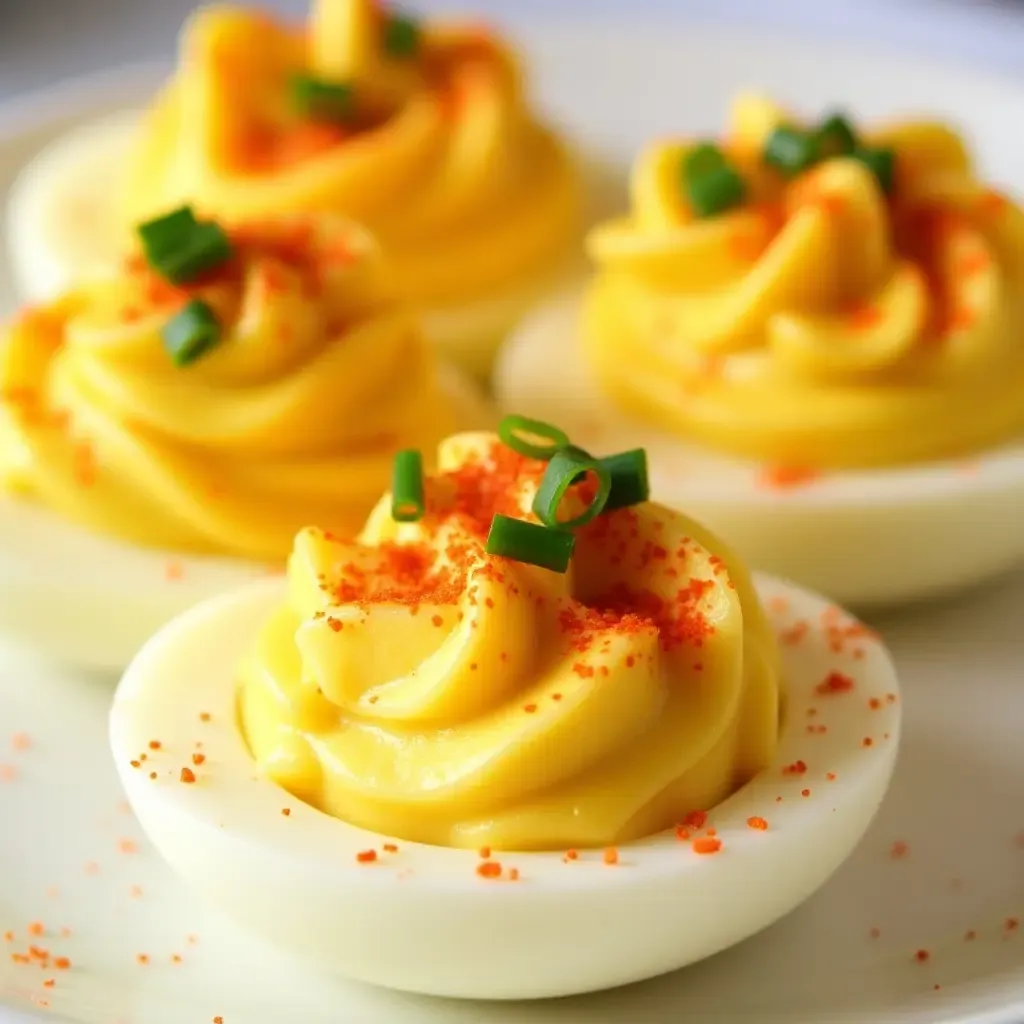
(785, 477)
(970, 935)
(805, 792)
(867, 742)
(794, 635)
(610, 856)
(188, 776)
(796, 768)
(898, 850)
(835, 682)
(21, 741)
(218, 1020)
(155, 745)
(390, 848)
(831, 776)
(366, 856)
(489, 869)
(286, 811)
(173, 571)
(875, 933)
(37, 928)
(696, 819)
(571, 855)
(484, 852)
(1011, 924)
(706, 845)
(198, 759)
(142, 959)
(8, 773)
(127, 846)
(204, 716)
(922, 956)
(758, 823)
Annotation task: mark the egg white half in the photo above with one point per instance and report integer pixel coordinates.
(420, 918)
(866, 537)
(92, 600)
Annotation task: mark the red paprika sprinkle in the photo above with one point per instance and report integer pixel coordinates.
(707, 844)
(366, 856)
(758, 823)
(188, 776)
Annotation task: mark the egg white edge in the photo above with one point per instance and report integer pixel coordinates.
(187, 670)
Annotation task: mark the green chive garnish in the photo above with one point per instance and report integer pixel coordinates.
(790, 151)
(703, 159)
(533, 438)
(835, 137)
(882, 164)
(566, 466)
(321, 100)
(407, 501)
(530, 543)
(181, 248)
(711, 183)
(401, 36)
(629, 483)
(191, 333)
(716, 191)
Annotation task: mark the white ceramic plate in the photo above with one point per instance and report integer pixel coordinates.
(957, 801)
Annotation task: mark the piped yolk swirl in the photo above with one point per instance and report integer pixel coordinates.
(822, 323)
(319, 377)
(416, 686)
(444, 162)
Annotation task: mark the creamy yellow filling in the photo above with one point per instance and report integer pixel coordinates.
(821, 322)
(415, 685)
(320, 375)
(469, 193)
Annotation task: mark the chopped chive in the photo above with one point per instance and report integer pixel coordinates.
(530, 543)
(882, 164)
(407, 501)
(533, 438)
(206, 246)
(629, 483)
(164, 234)
(716, 191)
(790, 151)
(190, 333)
(402, 36)
(702, 159)
(321, 100)
(835, 137)
(564, 468)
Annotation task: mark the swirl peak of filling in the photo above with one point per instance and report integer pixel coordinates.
(318, 376)
(419, 130)
(862, 308)
(415, 685)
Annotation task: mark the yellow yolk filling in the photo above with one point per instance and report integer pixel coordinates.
(416, 686)
(820, 323)
(319, 378)
(443, 161)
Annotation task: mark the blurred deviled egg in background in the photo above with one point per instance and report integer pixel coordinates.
(813, 329)
(165, 429)
(420, 130)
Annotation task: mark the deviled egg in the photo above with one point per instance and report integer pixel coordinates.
(420, 130)
(525, 707)
(814, 332)
(201, 401)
